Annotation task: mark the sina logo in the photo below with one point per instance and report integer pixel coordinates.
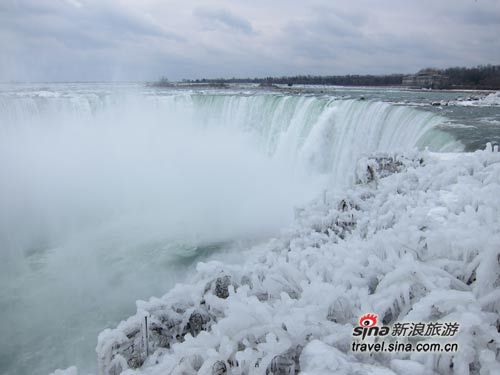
(368, 327)
(368, 320)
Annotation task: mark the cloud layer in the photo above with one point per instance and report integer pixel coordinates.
(72, 40)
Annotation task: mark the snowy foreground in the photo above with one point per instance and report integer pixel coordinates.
(416, 239)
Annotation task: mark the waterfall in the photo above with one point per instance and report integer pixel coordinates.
(101, 194)
(321, 135)
(324, 135)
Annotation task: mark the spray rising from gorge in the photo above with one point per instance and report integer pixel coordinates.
(175, 159)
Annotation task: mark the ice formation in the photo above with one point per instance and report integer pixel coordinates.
(492, 99)
(415, 239)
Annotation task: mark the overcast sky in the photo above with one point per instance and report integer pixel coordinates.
(81, 40)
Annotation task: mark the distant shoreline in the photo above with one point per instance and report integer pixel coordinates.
(283, 87)
(277, 87)
(482, 77)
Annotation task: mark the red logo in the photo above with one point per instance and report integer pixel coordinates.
(368, 320)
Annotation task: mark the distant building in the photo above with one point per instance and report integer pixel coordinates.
(427, 78)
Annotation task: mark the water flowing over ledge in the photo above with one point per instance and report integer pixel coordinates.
(94, 143)
(323, 135)
(418, 245)
(133, 185)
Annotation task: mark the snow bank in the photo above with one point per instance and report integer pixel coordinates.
(416, 239)
(492, 99)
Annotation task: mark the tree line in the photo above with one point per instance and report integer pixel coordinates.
(479, 77)
(346, 80)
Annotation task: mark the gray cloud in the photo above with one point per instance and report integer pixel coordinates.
(476, 16)
(130, 40)
(217, 18)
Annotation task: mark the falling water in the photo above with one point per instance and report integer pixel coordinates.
(106, 198)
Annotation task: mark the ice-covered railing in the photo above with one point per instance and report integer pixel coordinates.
(418, 245)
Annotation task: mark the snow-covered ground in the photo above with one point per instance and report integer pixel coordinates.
(416, 239)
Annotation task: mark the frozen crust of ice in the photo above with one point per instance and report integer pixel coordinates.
(416, 239)
(492, 99)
